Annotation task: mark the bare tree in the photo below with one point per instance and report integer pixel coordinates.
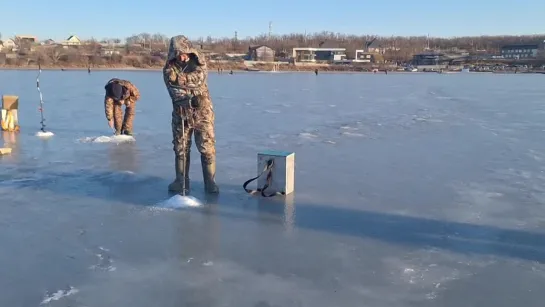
(54, 54)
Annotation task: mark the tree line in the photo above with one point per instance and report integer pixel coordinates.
(402, 47)
(152, 47)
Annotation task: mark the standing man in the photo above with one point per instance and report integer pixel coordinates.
(185, 75)
(118, 93)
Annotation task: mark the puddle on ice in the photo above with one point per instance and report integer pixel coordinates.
(108, 139)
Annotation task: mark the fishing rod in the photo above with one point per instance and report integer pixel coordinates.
(41, 97)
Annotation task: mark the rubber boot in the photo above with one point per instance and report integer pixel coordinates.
(181, 174)
(209, 175)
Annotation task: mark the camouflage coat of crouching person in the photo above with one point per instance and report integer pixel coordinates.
(118, 93)
(185, 75)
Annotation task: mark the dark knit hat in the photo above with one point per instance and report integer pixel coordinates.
(116, 91)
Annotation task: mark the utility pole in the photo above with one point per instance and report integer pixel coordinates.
(428, 41)
(235, 42)
(270, 29)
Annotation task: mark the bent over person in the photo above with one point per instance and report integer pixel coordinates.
(118, 93)
(185, 75)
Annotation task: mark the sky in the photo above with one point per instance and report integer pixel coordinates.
(58, 19)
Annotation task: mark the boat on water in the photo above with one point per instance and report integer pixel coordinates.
(252, 69)
(465, 69)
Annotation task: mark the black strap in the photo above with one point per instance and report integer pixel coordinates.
(267, 169)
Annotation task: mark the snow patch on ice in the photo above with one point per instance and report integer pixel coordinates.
(105, 262)
(108, 139)
(353, 134)
(46, 134)
(349, 128)
(58, 295)
(275, 136)
(307, 135)
(178, 202)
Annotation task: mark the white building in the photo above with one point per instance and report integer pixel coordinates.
(362, 57)
(314, 55)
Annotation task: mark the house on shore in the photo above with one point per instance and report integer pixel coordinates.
(29, 39)
(260, 53)
(48, 42)
(109, 52)
(521, 51)
(72, 40)
(430, 58)
(8, 45)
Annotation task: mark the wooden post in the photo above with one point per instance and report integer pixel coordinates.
(283, 171)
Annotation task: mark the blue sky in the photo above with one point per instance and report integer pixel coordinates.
(58, 19)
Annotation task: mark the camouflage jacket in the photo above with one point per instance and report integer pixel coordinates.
(131, 96)
(185, 79)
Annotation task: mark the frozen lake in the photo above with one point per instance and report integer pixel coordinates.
(411, 190)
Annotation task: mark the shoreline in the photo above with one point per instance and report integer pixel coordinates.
(213, 71)
(212, 67)
(226, 71)
(127, 68)
(159, 69)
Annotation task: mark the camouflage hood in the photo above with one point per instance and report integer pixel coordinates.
(181, 44)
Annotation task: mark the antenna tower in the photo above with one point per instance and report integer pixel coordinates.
(270, 29)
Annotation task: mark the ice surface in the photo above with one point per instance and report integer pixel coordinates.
(413, 190)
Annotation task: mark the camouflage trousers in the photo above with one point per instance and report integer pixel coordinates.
(124, 122)
(199, 121)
